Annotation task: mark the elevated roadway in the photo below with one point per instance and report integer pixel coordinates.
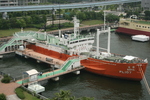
(63, 6)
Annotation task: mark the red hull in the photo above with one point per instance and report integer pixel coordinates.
(128, 71)
(101, 67)
(132, 31)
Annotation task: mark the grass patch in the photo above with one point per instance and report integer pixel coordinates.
(92, 22)
(22, 94)
(10, 32)
(29, 96)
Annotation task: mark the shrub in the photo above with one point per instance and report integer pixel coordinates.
(2, 97)
(20, 94)
(6, 79)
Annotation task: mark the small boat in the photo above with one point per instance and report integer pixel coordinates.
(142, 38)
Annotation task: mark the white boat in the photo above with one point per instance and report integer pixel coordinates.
(141, 38)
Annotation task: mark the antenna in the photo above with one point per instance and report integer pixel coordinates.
(53, 16)
(104, 19)
(59, 14)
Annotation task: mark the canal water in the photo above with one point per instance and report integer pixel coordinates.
(88, 84)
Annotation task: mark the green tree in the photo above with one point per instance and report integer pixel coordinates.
(28, 20)
(36, 19)
(21, 23)
(112, 18)
(12, 22)
(147, 15)
(63, 95)
(4, 24)
(2, 97)
(66, 95)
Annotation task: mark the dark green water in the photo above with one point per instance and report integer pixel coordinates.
(88, 84)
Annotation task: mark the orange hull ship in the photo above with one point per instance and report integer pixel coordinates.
(122, 70)
(128, 71)
(94, 58)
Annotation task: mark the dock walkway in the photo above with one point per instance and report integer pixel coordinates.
(40, 57)
(48, 75)
(52, 74)
(64, 66)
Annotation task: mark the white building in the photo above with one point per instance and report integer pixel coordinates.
(18, 2)
(145, 4)
(8, 2)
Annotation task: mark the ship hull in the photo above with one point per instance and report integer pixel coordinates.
(129, 71)
(131, 31)
(117, 70)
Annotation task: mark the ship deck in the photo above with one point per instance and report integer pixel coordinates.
(40, 57)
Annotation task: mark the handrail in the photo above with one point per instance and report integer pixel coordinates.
(70, 58)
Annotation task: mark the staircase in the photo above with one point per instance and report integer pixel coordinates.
(15, 41)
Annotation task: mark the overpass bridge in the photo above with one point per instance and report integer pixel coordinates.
(64, 6)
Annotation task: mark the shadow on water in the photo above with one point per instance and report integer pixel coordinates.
(15, 65)
(92, 85)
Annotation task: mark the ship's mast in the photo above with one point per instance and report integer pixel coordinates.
(104, 19)
(76, 26)
(108, 44)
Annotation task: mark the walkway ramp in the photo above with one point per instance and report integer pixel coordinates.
(64, 70)
(16, 41)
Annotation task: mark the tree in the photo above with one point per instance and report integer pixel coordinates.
(21, 23)
(66, 95)
(2, 97)
(12, 22)
(112, 18)
(147, 15)
(63, 95)
(4, 24)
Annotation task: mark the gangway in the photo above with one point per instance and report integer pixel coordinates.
(14, 43)
(72, 65)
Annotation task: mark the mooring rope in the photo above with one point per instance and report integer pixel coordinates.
(145, 80)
